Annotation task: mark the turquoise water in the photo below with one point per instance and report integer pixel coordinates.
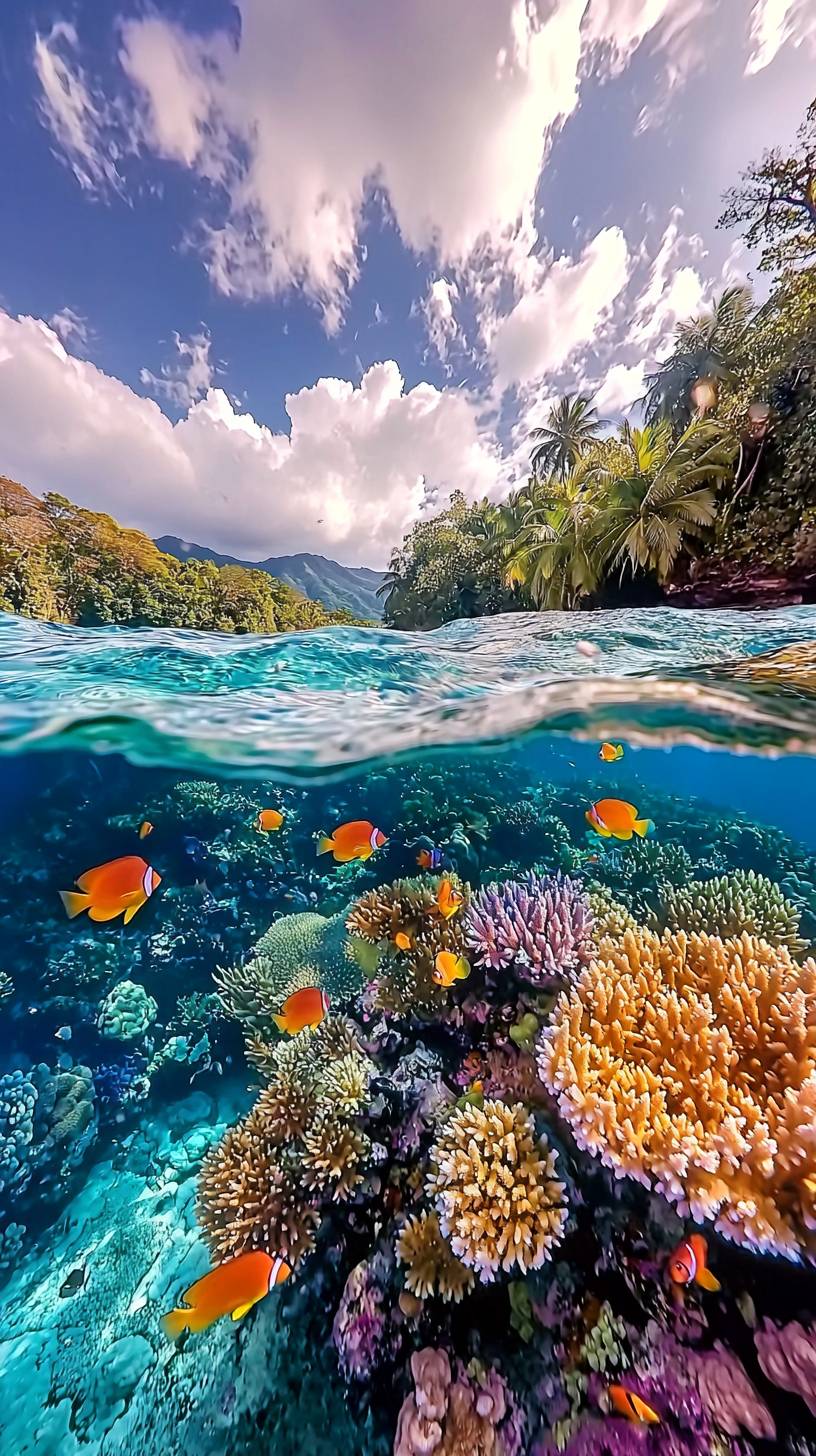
(127, 1052)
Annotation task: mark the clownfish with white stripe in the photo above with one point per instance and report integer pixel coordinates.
(231, 1288)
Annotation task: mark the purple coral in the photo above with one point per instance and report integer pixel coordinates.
(542, 927)
(729, 1397)
(787, 1355)
(360, 1325)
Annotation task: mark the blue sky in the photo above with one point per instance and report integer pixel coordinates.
(279, 277)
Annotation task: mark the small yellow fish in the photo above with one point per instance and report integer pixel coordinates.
(145, 828)
(611, 752)
(402, 941)
(450, 968)
(268, 820)
(448, 899)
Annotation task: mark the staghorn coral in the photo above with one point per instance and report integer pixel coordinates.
(689, 1062)
(405, 982)
(431, 1265)
(299, 950)
(730, 904)
(637, 876)
(126, 1012)
(494, 1186)
(787, 1355)
(610, 917)
(541, 927)
(332, 1155)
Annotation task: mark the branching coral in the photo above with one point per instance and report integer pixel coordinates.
(730, 904)
(690, 1062)
(297, 950)
(610, 917)
(126, 1012)
(494, 1186)
(542, 928)
(332, 1156)
(407, 907)
(431, 1265)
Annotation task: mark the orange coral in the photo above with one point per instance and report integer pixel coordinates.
(431, 1265)
(689, 1062)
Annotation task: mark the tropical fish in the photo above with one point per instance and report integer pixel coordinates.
(402, 941)
(231, 1288)
(625, 1403)
(120, 887)
(688, 1264)
(267, 820)
(449, 968)
(145, 828)
(63, 1033)
(615, 819)
(429, 859)
(302, 1008)
(73, 1282)
(448, 899)
(610, 752)
(356, 840)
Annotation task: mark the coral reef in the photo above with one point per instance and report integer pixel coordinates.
(787, 1355)
(494, 1186)
(541, 928)
(689, 1063)
(126, 1012)
(298, 950)
(404, 982)
(730, 904)
(431, 1265)
(729, 1397)
(472, 1413)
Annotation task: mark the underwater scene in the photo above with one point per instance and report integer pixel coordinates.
(408, 1042)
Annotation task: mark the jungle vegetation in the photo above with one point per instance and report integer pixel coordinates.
(710, 498)
(66, 564)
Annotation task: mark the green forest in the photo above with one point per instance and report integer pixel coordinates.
(710, 501)
(66, 564)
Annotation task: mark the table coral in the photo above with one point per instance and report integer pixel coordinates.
(126, 1012)
(730, 904)
(787, 1355)
(541, 927)
(690, 1062)
(431, 1265)
(494, 1187)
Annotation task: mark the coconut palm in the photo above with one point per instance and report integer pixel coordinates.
(660, 494)
(705, 353)
(553, 555)
(572, 425)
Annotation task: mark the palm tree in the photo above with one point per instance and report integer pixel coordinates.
(659, 495)
(553, 554)
(572, 425)
(705, 353)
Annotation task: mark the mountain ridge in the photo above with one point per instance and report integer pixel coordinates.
(316, 576)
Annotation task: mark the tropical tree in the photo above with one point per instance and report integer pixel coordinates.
(707, 351)
(659, 496)
(572, 425)
(775, 202)
(553, 556)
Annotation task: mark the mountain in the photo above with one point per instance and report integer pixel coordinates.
(352, 587)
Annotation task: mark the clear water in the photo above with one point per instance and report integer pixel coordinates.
(482, 741)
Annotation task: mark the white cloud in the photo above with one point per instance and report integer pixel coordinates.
(82, 124)
(189, 377)
(621, 386)
(675, 289)
(71, 327)
(622, 25)
(563, 312)
(775, 23)
(361, 458)
(438, 312)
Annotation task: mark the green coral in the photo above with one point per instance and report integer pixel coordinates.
(730, 904)
(604, 1349)
(298, 950)
(406, 907)
(610, 916)
(126, 1012)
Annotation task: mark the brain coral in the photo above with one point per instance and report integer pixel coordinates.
(494, 1187)
(689, 1062)
(126, 1012)
(731, 904)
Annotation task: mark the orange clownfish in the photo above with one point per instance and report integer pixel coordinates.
(449, 968)
(615, 819)
(232, 1288)
(302, 1008)
(267, 820)
(402, 941)
(145, 828)
(625, 1403)
(357, 840)
(610, 752)
(120, 887)
(448, 899)
(688, 1264)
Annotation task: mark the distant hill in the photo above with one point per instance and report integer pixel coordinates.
(336, 586)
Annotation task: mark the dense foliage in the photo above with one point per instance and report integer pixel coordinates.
(712, 500)
(71, 565)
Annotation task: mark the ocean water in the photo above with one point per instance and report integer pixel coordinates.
(543, 1176)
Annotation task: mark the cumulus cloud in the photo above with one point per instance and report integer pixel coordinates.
(362, 459)
(188, 377)
(622, 385)
(675, 289)
(562, 313)
(620, 27)
(775, 23)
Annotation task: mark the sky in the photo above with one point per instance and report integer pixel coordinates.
(279, 277)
